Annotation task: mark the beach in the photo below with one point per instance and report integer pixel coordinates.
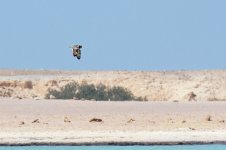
(28, 122)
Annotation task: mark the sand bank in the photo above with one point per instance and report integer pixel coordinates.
(68, 122)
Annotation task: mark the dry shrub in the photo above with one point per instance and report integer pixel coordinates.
(6, 92)
(66, 119)
(191, 96)
(66, 92)
(5, 84)
(131, 120)
(92, 92)
(8, 84)
(52, 83)
(28, 85)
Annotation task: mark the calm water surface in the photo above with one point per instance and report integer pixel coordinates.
(177, 147)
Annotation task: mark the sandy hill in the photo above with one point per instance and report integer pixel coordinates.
(154, 85)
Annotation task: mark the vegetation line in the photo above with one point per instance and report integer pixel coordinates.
(87, 91)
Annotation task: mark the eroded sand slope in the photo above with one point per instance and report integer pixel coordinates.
(160, 86)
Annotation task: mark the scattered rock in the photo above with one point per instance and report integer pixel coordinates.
(192, 128)
(19, 97)
(36, 121)
(208, 118)
(184, 121)
(170, 120)
(22, 123)
(66, 119)
(221, 121)
(131, 120)
(96, 120)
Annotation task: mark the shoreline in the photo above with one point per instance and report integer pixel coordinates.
(142, 138)
(200, 138)
(119, 144)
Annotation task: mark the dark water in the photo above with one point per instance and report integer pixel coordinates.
(176, 147)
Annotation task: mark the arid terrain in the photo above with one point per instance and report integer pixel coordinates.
(155, 86)
(92, 122)
(182, 107)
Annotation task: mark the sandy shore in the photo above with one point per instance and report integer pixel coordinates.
(68, 122)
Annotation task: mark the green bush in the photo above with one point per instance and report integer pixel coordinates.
(101, 92)
(120, 93)
(86, 91)
(66, 92)
(90, 91)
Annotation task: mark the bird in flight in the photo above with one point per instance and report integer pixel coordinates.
(76, 51)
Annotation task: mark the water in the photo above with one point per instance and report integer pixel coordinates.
(176, 147)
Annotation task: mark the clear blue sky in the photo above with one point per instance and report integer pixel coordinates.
(115, 34)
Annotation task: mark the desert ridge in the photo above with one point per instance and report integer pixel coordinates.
(152, 85)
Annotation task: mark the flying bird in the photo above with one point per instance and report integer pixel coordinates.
(76, 51)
